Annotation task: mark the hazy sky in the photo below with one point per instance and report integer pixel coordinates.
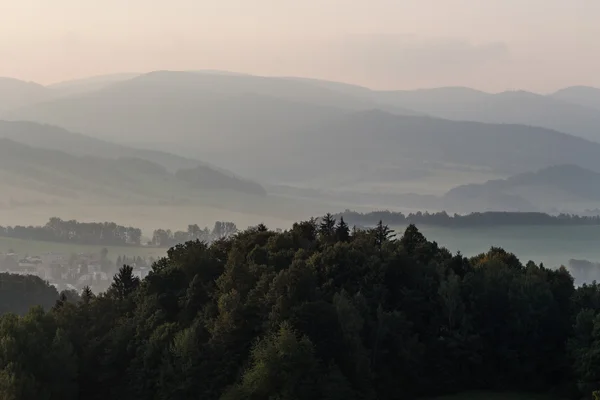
(489, 44)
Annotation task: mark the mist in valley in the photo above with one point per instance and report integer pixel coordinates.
(349, 184)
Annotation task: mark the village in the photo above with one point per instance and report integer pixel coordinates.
(72, 271)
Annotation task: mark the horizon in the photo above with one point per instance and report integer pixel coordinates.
(213, 71)
(493, 46)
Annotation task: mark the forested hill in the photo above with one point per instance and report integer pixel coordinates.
(18, 293)
(315, 312)
(492, 218)
(51, 174)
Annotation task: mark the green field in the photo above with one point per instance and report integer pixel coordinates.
(33, 247)
(552, 245)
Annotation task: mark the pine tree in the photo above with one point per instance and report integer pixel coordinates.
(262, 228)
(342, 231)
(87, 295)
(62, 300)
(382, 233)
(327, 227)
(412, 238)
(125, 282)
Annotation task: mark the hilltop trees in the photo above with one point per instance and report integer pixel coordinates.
(124, 282)
(18, 293)
(316, 312)
(221, 230)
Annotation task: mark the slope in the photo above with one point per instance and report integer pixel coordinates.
(296, 143)
(55, 176)
(55, 138)
(85, 85)
(583, 95)
(174, 111)
(517, 107)
(16, 93)
(308, 133)
(554, 188)
(377, 137)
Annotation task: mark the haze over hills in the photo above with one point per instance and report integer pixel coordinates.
(237, 121)
(516, 107)
(556, 188)
(86, 85)
(582, 95)
(54, 138)
(374, 146)
(177, 117)
(15, 93)
(317, 139)
(52, 176)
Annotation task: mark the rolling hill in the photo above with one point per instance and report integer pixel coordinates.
(312, 133)
(196, 114)
(30, 175)
(574, 110)
(515, 107)
(556, 188)
(86, 85)
(583, 95)
(15, 93)
(363, 141)
(54, 138)
(325, 140)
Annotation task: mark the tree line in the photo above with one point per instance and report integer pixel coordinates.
(72, 231)
(112, 234)
(168, 238)
(319, 311)
(478, 219)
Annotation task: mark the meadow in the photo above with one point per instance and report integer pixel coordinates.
(34, 247)
(552, 245)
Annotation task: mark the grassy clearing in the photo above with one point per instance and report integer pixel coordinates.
(151, 217)
(552, 245)
(33, 247)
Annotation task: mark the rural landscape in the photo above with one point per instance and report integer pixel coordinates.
(300, 201)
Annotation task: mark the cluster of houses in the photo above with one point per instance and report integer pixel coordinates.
(66, 271)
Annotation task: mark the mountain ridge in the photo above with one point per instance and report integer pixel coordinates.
(566, 184)
(60, 175)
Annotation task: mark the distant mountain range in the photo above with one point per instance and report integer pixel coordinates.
(572, 110)
(311, 138)
(286, 130)
(516, 107)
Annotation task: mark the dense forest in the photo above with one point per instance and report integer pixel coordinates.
(478, 219)
(320, 311)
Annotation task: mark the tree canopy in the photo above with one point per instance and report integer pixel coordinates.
(315, 312)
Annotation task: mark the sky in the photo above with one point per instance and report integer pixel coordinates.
(493, 45)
